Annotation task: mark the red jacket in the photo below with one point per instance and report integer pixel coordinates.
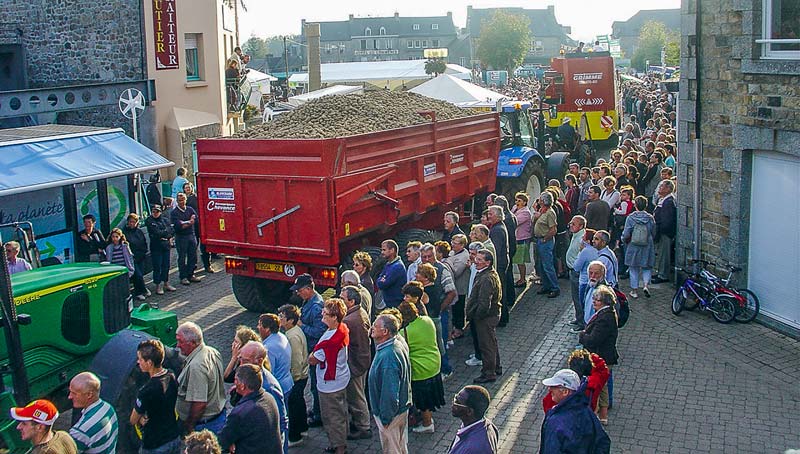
(595, 383)
(331, 347)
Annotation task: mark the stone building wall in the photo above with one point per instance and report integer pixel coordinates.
(747, 104)
(73, 42)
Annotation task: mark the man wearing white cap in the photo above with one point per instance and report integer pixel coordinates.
(571, 426)
(36, 426)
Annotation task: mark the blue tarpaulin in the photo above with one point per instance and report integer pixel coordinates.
(61, 159)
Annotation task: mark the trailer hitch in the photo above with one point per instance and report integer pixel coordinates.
(275, 218)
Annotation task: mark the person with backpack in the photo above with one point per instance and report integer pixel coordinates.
(640, 256)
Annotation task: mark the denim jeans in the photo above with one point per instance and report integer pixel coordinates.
(545, 263)
(646, 274)
(170, 447)
(160, 258)
(215, 425)
(187, 255)
(138, 277)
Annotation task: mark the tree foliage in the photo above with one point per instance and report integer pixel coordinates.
(652, 38)
(255, 47)
(435, 66)
(504, 41)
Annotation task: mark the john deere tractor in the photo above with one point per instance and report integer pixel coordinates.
(60, 320)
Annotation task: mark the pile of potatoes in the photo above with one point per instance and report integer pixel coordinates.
(347, 115)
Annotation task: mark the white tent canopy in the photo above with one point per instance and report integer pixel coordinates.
(459, 92)
(332, 90)
(380, 73)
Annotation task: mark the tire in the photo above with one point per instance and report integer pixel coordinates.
(405, 237)
(679, 300)
(260, 295)
(749, 312)
(691, 301)
(557, 165)
(723, 308)
(531, 181)
(128, 441)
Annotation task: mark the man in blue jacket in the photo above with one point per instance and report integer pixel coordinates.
(313, 328)
(393, 277)
(477, 435)
(390, 384)
(571, 426)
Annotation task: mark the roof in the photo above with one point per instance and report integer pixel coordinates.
(459, 92)
(406, 70)
(393, 25)
(543, 21)
(40, 157)
(631, 27)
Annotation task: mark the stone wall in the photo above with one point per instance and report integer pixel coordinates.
(73, 42)
(746, 104)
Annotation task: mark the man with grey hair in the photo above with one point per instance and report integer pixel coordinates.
(390, 384)
(606, 256)
(483, 310)
(500, 238)
(545, 228)
(666, 226)
(201, 391)
(352, 278)
(597, 277)
(15, 263)
(474, 358)
(441, 294)
(97, 429)
(480, 233)
(358, 359)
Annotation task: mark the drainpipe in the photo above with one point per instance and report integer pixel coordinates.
(698, 143)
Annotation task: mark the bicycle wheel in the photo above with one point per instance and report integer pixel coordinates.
(723, 308)
(679, 300)
(748, 310)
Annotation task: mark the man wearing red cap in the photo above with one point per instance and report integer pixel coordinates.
(36, 426)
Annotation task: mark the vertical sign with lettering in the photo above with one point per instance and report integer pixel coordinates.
(165, 34)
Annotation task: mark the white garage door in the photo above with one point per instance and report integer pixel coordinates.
(774, 264)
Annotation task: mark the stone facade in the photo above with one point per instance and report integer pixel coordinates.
(746, 105)
(68, 43)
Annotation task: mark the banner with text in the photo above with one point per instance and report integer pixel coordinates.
(165, 33)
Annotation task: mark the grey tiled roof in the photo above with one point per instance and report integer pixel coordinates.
(543, 21)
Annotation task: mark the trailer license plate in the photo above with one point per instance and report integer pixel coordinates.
(274, 267)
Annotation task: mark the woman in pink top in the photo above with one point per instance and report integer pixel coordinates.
(523, 215)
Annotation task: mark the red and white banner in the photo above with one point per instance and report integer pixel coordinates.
(165, 34)
(606, 121)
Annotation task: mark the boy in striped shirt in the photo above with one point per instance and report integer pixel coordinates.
(96, 430)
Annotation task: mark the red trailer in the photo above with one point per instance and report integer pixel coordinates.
(279, 208)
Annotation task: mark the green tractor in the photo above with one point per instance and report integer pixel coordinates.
(64, 319)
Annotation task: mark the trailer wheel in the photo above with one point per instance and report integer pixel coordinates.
(531, 182)
(260, 295)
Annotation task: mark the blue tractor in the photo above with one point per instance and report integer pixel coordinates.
(521, 167)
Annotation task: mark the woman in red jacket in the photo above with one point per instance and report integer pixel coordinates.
(586, 365)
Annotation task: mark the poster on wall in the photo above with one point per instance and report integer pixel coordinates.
(43, 208)
(165, 34)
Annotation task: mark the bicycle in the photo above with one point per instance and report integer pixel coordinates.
(747, 305)
(722, 306)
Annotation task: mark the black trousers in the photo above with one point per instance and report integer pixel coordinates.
(296, 410)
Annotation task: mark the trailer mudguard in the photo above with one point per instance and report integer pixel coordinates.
(512, 160)
(114, 362)
(558, 165)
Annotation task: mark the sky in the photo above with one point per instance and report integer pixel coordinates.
(587, 18)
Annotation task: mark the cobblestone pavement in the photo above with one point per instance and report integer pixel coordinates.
(684, 384)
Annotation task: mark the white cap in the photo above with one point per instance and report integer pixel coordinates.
(566, 378)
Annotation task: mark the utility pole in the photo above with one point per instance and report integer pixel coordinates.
(286, 62)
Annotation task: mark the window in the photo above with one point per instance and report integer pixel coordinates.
(435, 43)
(417, 43)
(781, 29)
(382, 31)
(415, 27)
(388, 43)
(434, 26)
(410, 44)
(462, 61)
(363, 44)
(367, 31)
(424, 43)
(375, 44)
(192, 44)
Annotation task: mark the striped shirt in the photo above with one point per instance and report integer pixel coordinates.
(96, 431)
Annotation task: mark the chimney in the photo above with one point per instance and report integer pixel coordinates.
(314, 70)
(396, 14)
(551, 9)
(450, 14)
(350, 17)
